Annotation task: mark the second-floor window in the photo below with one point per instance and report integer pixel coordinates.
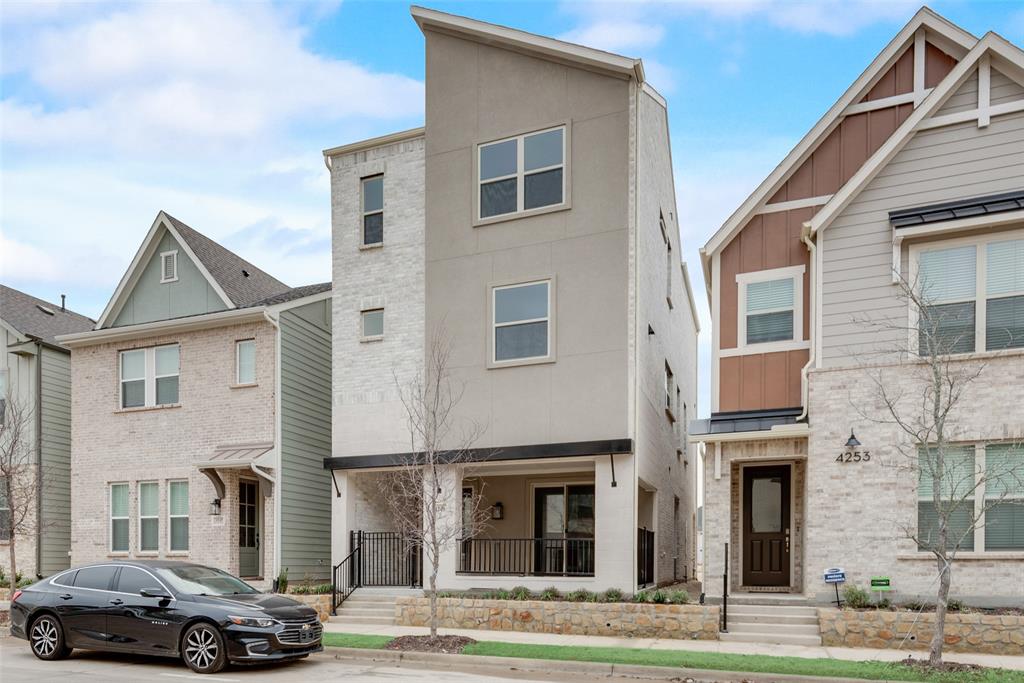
(373, 211)
(522, 314)
(522, 173)
(972, 295)
(149, 377)
(670, 391)
(372, 323)
(245, 361)
(770, 306)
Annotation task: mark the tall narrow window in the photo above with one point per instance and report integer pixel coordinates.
(372, 321)
(245, 361)
(169, 266)
(149, 516)
(119, 531)
(177, 512)
(953, 498)
(5, 513)
(1004, 496)
(522, 173)
(1004, 292)
(373, 211)
(769, 311)
(670, 388)
(521, 319)
(133, 378)
(668, 261)
(166, 374)
(947, 286)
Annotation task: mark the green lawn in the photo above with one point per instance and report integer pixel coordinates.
(701, 660)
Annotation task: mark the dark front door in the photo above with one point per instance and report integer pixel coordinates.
(766, 525)
(248, 528)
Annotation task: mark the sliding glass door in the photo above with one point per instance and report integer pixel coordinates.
(563, 520)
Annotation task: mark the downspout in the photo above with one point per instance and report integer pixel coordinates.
(805, 237)
(277, 443)
(636, 325)
(39, 460)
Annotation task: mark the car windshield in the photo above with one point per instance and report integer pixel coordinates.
(205, 581)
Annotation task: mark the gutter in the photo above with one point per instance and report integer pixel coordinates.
(805, 232)
(196, 322)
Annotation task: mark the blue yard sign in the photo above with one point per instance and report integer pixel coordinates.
(835, 575)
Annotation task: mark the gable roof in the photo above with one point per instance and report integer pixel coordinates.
(992, 44)
(39, 319)
(951, 36)
(236, 281)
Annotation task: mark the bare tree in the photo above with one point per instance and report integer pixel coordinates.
(19, 477)
(423, 494)
(924, 395)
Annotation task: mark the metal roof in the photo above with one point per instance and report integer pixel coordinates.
(237, 455)
(962, 208)
(744, 421)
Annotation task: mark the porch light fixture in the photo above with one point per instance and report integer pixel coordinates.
(852, 441)
(498, 511)
(215, 507)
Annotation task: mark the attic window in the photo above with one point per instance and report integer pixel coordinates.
(169, 266)
(44, 309)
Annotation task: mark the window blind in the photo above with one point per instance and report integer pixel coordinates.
(765, 322)
(1004, 266)
(948, 274)
(769, 295)
(1004, 494)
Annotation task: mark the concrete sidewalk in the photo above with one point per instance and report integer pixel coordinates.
(807, 652)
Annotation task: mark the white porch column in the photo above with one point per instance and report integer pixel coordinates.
(615, 524)
(343, 514)
(451, 485)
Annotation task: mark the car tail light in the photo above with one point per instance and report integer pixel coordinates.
(17, 594)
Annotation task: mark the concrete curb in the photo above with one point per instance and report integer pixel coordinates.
(551, 667)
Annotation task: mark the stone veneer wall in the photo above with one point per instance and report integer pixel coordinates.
(689, 622)
(986, 633)
(321, 603)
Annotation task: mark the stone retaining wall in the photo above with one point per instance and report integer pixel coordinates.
(321, 603)
(691, 622)
(987, 633)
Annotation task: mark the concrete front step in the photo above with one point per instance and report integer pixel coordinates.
(346, 611)
(770, 636)
(766, 617)
(369, 604)
(782, 629)
(362, 620)
(760, 599)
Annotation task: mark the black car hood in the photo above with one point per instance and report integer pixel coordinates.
(271, 604)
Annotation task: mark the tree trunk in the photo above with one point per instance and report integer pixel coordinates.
(938, 639)
(433, 603)
(14, 561)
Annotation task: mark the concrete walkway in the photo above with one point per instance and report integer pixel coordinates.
(807, 652)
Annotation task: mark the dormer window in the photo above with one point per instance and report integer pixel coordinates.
(169, 266)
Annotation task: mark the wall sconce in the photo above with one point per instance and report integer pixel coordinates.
(497, 511)
(852, 441)
(215, 507)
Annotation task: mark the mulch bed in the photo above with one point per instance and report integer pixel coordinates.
(924, 667)
(449, 645)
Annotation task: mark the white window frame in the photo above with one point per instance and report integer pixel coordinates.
(110, 513)
(363, 213)
(362, 326)
(238, 363)
(980, 243)
(520, 175)
(138, 504)
(150, 378)
(174, 261)
(549, 356)
(670, 392)
(796, 273)
(170, 535)
(668, 258)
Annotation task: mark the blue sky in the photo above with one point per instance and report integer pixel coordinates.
(218, 112)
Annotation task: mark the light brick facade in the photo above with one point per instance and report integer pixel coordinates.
(111, 445)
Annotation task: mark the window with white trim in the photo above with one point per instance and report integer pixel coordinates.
(770, 308)
(952, 499)
(149, 516)
(5, 513)
(1004, 496)
(372, 323)
(177, 515)
(169, 266)
(373, 210)
(521, 316)
(668, 260)
(149, 377)
(245, 361)
(670, 390)
(972, 292)
(521, 173)
(119, 529)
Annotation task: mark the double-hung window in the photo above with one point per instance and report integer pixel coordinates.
(119, 530)
(1004, 496)
(149, 516)
(522, 173)
(149, 377)
(953, 498)
(373, 211)
(521, 317)
(947, 288)
(5, 513)
(245, 361)
(1004, 294)
(177, 514)
(770, 306)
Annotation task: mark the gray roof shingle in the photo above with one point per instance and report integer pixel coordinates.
(293, 294)
(38, 318)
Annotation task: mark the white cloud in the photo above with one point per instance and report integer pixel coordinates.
(616, 36)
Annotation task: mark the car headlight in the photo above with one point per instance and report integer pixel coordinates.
(259, 622)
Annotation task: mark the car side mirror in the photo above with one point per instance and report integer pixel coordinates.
(154, 593)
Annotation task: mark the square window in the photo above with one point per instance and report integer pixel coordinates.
(521, 173)
(373, 323)
(769, 311)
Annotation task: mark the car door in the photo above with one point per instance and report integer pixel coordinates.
(140, 623)
(82, 605)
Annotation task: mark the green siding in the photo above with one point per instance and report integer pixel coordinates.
(151, 300)
(55, 445)
(306, 441)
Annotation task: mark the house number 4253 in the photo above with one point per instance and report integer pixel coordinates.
(854, 456)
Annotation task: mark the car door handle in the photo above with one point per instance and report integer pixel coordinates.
(66, 596)
(117, 601)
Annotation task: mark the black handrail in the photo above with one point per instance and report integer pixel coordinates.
(725, 592)
(527, 556)
(345, 579)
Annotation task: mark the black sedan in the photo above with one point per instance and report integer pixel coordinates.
(204, 615)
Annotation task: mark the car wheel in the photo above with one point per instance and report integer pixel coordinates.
(202, 648)
(47, 639)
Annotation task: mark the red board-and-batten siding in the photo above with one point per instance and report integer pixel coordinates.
(760, 381)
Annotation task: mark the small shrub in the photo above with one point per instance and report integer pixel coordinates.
(322, 589)
(300, 590)
(612, 595)
(521, 593)
(884, 603)
(642, 596)
(580, 595)
(282, 580)
(550, 593)
(501, 594)
(679, 597)
(659, 596)
(856, 597)
(956, 606)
